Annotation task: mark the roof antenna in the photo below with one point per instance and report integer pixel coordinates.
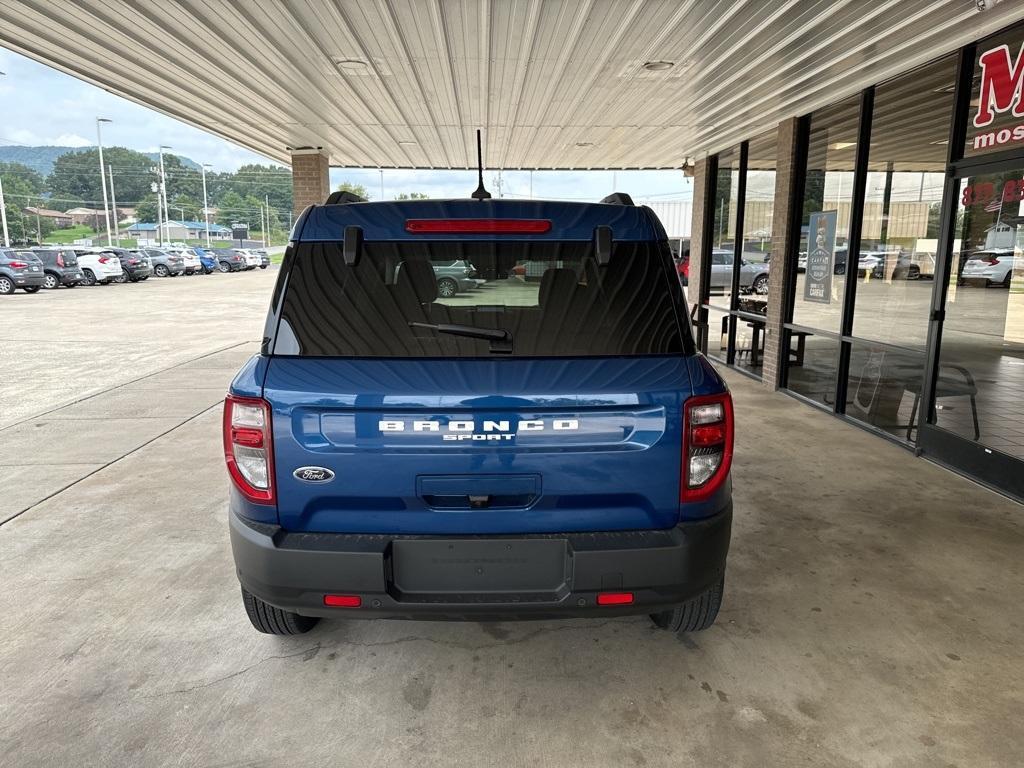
(481, 193)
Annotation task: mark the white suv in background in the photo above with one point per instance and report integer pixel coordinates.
(993, 267)
(252, 259)
(98, 267)
(193, 265)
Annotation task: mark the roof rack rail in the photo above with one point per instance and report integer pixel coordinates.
(617, 198)
(343, 196)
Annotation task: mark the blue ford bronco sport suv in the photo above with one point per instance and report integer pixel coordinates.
(527, 449)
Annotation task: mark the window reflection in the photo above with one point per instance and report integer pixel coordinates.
(983, 333)
(723, 234)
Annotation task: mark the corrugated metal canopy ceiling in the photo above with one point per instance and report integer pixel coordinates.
(554, 83)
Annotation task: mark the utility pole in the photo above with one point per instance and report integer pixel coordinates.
(3, 215)
(206, 207)
(113, 204)
(263, 228)
(266, 237)
(159, 212)
(381, 183)
(163, 188)
(103, 176)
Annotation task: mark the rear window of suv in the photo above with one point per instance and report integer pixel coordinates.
(550, 298)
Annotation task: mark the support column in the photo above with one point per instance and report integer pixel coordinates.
(697, 255)
(782, 267)
(310, 178)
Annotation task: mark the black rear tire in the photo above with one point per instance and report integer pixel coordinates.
(31, 288)
(446, 287)
(52, 281)
(694, 615)
(274, 621)
(6, 285)
(90, 278)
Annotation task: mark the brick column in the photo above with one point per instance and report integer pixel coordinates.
(700, 193)
(782, 268)
(310, 178)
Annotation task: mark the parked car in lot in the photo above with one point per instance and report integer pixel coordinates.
(207, 260)
(60, 267)
(228, 260)
(134, 267)
(264, 258)
(753, 277)
(191, 260)
(454, 277)
(20, 269)
(99, 268)
(557, 449)
(252, 259)
(993, 267)
(165, 263)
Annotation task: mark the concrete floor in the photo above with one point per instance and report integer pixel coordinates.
(872, 617)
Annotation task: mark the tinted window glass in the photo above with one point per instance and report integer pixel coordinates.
(552, 299)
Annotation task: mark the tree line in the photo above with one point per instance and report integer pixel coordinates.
(74, 182)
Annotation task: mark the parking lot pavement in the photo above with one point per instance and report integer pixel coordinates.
(872, 618)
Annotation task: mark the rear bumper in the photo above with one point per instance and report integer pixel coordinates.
(29, 280)
(487, 577)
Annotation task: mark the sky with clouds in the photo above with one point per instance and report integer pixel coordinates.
(56, 109)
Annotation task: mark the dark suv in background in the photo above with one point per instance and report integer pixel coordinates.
(164, 264)
(20, 269)
(229, 260)
(60, 267)
(134, 266)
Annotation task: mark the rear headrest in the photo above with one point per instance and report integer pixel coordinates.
(557, 287)
(417, 278)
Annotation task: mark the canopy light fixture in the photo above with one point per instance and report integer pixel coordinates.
(350, 63)
(844, 144)
(658, 66)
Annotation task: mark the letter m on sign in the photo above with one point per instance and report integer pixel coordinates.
(1001, 81)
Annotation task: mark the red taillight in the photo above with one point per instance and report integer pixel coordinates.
(478, 226)
(133, 261)
(19, 264)
(991, 260)
(104, 259)
(343, 601)
(60, 259)
(707, 445)
(615, 598)
(248, 447)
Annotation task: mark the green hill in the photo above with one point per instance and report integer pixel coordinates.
(41, 159)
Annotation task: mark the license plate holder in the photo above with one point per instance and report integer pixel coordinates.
(439, 567)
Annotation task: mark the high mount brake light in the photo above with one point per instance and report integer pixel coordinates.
(249, 447)
(478, 226)
(707, 445)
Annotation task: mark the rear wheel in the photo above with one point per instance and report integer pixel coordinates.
(446, 287)
(124, 278)
(6, 285)
(90, 278)
(760, 285)
(161, 270)
(1008, 279)
(693, 615)
(274, 621)
(224, 266)
(31, 289)
(51, 280)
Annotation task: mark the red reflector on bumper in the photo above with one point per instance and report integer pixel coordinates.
(343, 601)
(478, 226)
(615, 598)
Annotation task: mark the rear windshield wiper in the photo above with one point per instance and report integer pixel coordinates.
(501, 340)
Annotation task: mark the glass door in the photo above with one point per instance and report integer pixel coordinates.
(976, 422)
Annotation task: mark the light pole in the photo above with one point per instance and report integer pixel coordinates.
(381, 183)
(103, 176)
(163, 191)
(206, 207)
(3, 215)
(113, 205)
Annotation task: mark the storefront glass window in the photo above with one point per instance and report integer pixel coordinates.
(981, 360)
(822, 258)
(899, 239)
(723, 233)
(758, 210)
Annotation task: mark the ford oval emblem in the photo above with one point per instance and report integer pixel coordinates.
(313, 474)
